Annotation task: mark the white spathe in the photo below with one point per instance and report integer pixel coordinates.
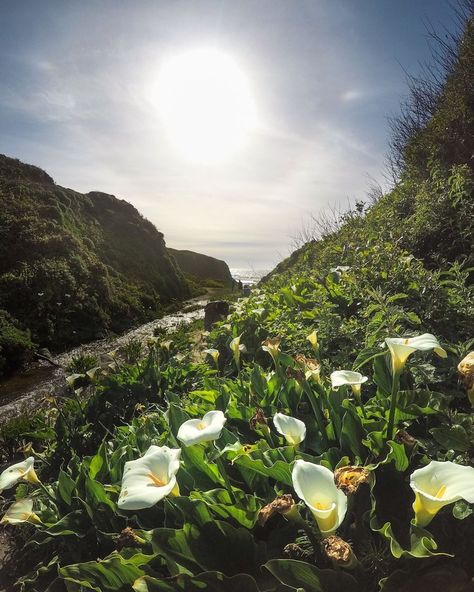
(237, 348)
(195, 431)
(401, 349)
(20, 511)
(22, 471)
(294, 430)
(439, 484)
(342, 377)
(214, 353)
(150, 478)
(315, 485)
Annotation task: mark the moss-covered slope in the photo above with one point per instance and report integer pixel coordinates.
(72, 265)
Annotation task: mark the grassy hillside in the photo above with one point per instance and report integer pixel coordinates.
(202, 267)
(74, 266)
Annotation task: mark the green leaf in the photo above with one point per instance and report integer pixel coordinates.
(66, 485)
(304, 576)
(462, 510)
(454, 437)
(210, 581)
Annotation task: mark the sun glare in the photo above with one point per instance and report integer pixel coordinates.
(206, 105)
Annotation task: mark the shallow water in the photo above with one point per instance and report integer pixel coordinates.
(22, 393)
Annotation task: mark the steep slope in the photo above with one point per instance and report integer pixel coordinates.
(74, 266)
(202, 266)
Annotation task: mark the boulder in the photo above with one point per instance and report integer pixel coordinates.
(215, 311)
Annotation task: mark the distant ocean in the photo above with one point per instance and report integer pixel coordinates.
(248, 276)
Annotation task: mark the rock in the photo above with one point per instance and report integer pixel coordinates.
(215, 311)
(246, 291)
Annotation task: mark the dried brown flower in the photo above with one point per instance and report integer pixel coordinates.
(258, 419)
(339, 552)
(349, 478)
(280, 505)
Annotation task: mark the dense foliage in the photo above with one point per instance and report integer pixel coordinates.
(319, 439)
(74, 266)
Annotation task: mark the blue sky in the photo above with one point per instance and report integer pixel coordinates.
(77, 97)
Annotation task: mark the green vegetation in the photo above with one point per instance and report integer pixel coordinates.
(202, 267)
(74, 266)
(330, 441)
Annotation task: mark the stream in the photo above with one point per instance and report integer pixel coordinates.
(23, 392)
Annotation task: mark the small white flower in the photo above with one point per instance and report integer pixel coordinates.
(214, 353)
(150, 478)
(237, 348)
(353, 379)
(294, 430)
(315, 485)
(195, 431)
(20, 511)
(439, 484)
(313, 339)
(401, 349)
(22, 471)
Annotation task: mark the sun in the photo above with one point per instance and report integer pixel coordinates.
(206, 105)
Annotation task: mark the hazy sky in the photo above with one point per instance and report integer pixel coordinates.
(78, 97)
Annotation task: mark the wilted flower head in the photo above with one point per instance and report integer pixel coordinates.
(272, 346)
(349, 478)
(283, 504)
(258, 419)
(402, 348)
(466, 371)
(207, 429)
(22, 471)
(339, 552)
(150, 478)
(439, 484)
(310, 366)
(294, 430)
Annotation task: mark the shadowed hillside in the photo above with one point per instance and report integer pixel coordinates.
(74, 266)
(202, 266)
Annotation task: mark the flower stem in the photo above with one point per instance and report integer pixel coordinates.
(317, 413)
(46, 491)
(225, 476)
(393, 404)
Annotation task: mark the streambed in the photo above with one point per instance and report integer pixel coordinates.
(23, 392)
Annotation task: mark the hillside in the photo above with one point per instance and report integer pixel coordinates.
(74, 266)
(202, 267)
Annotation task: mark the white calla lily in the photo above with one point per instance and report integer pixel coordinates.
(195, 431)
(22, 471)
(237, 348)
(313, 339)
(353, 379)
(315, 485)
(294, 430)
(214, 353)
(150, 478)
(20, 511)
(439, 484)
(401, 349)
(272, 346)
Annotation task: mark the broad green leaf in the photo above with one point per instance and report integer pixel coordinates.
(211, 581)
(300, 575)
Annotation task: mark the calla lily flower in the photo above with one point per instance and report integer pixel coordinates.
(272, 346)
(294, 430)
(466, 371)
(353, 379)
(214, 353)
(313, 339)
(20, 511)
(150, 478)
(22, 471)
(315, 485)
(311, 367)
(401, 349)
(195, 431)
(439, 484)
(237, 348)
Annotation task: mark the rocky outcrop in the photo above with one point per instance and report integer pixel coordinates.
(202, 266)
